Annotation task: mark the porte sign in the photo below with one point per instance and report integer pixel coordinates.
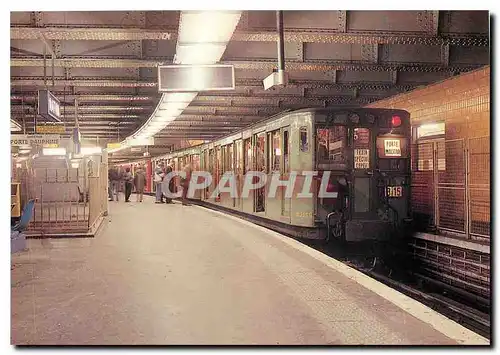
(392, 147)
(361, 158)
(34, 140)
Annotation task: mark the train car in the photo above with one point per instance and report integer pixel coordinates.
(350, 169)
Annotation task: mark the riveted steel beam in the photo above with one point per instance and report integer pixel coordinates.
(90, 34)
(362, 38)
(71, 108)
(83, 116)
(38, 81)
(325, 66)
(31, 95)
(330, 66)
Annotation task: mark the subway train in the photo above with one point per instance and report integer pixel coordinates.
(338, 173)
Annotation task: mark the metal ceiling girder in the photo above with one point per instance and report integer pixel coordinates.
(217, 118)
(134, 34)
(90, 34)
(101, 82)
(83, 97)
(363, 38)
(291, 66)
(71, 108)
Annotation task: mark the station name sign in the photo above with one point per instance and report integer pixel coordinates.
(48, 106)
(17, 140)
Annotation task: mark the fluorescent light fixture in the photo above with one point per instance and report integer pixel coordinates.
(178, 97)
(207, 26)
(19, 165)
(90, 150)
(75, 165)
(206, 53)
(24, 151)
(179, 106)
(202, 39)
(14, 126)
(54, 151)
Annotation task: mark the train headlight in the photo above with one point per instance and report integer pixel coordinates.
(396, 121)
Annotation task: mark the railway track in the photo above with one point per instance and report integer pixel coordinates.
(396, 271)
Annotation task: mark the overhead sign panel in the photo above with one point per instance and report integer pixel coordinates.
(50, 128)
(134, 142)
(48, 106)
(194, 78)
(114, 145)
(34, 140)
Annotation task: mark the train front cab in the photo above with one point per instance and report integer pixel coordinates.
(367, 154)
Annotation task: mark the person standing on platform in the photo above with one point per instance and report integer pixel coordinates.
(115, 183)
(185, 184)
(139, 182)
(129, 183)
(110, 184)
(158, 179)
(170, 188)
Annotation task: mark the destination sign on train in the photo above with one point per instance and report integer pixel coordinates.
(392, 147)
(34, 140)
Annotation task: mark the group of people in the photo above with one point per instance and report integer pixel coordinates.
(124, 180)
(119, 178)
(164, 193)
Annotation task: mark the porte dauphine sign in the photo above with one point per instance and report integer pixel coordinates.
(18, 140)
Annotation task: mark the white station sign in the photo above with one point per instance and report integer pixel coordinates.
(34, 140)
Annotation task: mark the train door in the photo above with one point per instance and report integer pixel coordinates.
(238, 171)
(260, 166)
(211, 170)
(285, 171)
(364, 189)
(218, 168)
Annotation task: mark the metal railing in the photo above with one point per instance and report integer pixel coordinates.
(451, 186)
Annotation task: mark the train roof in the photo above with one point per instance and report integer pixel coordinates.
(324, 110)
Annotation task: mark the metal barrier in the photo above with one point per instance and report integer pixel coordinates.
(61, 205)
(66, 200)
(451, 186)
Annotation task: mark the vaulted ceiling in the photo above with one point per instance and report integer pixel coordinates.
(107, 62)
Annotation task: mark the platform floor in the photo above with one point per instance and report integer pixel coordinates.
(173, 274)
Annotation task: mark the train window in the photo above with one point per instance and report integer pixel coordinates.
(361, 138)
(239, 158)
(196, 162)
(230, 162)
(260, 152)
(276, 152)
(331, 144)
(362, 194)
(304, 144)
(247, 155)
(286, 154)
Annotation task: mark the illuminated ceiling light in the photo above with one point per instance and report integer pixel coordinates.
(14, 126)
(173, 106)
(202, 39)
(179, 97)
(205, 53)
(207, 26)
